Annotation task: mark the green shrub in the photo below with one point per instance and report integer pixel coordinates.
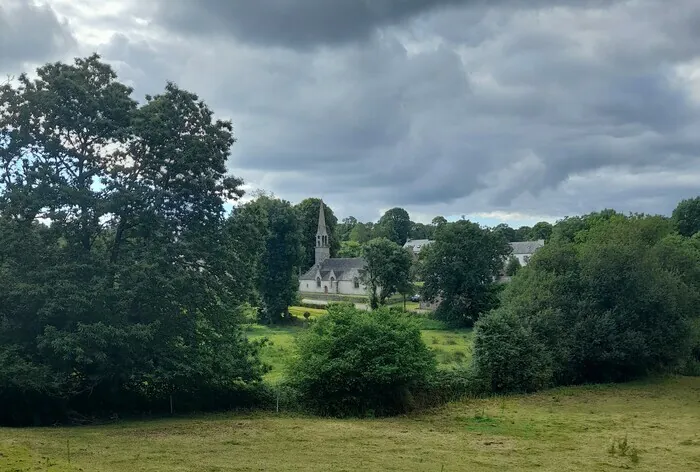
(356, 363)
(508, 356)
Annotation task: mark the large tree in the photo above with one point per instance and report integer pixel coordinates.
(687, 216)
(307, 210)
(277, 223)
(387, 270)
(395, 225)
(127, 299)
(541, 230)
(459, 269)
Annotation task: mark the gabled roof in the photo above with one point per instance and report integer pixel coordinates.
(343, 268)
(526, 247)
(417, 244)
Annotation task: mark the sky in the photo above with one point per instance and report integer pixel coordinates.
(510, 111)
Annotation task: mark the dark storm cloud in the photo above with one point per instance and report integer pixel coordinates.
(456, 107)
(30, 34)
(308, 23)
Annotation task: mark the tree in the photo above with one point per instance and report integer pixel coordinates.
(345, 227)
(277, 283)
(541, 230)
(388, 270)
(354, 362)
(421, 231)
(687, 216)
(459, 270)
(128, 299)
(513, 266)
(612, 306)
(394, 225)
(523, 233)
(361, 233)
(308, 221)
(439, 220)
(350, 249)
(508, 233)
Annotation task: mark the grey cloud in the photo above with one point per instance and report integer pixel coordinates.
(30, 33)
(308, 23)
(505, 116)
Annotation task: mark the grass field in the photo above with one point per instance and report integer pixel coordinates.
(452, 347)
(569, 429)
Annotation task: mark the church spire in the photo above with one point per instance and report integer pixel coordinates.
(322, 251)
(321, 231)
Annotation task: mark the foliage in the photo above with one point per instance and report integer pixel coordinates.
(128, 298)
(614, 305)
(350, 249)
(361, 233)
(277, 283)
(395, 225)
(541, 230)
(387, 270)
(513, 266)
(353, 362)
(508, 356)
(686, 216)
(421, 231)
(459, 270)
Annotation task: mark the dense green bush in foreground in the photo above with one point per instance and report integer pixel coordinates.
(353, 362)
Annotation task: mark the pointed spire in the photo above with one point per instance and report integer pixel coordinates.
(321, 231)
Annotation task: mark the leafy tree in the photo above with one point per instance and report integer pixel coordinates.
(345, 227)
(513, 266)
(687, 216)
(459, 270)
(612, 306)
(277, 273)
(508, 356)
(541, 230)
(523, 234)
(361, 233)
(438, 221)
(394, 225)
(508, 233)
(354, 363)
(387, 270)
(129, 297)
(308, 221)
(350, 249)
(421, 231)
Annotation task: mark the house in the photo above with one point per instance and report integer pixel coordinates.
(523, 250)
(415, 245)
(332, 275)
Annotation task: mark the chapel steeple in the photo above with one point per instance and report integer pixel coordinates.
(323, 250)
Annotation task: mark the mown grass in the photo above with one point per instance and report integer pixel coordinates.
(568, 429)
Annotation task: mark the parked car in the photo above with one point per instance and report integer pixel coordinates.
(415, 298)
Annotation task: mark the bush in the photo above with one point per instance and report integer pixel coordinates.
(357, 363)
(508, 355)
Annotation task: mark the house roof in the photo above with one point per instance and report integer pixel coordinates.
(417, 244)
(342, 268)
(526, 247)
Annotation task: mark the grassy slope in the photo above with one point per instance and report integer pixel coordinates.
(564, 429)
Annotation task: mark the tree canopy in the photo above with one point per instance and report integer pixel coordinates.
(387, 270)
(459, 269)
(117, 285)
(395, 225)
(687, 216)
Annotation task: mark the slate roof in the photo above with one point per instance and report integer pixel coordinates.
(527, 247)
(344, 268)
(417, 244)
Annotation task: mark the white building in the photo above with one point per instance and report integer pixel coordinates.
(523, 250)
(332, 275)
